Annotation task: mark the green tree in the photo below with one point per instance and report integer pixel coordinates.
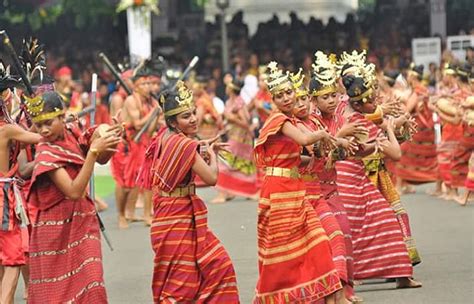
(39, 13)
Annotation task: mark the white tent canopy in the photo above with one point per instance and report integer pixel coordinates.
(263, 10)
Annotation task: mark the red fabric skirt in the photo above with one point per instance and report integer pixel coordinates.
(118, 163)
(191, 265)
(379, 249)
(331, 197)
(65, 255)
(295, 260)
(445, 160)
(460, 165)
(331, 227)
(419, 158)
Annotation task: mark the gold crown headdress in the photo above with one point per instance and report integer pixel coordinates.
(35, 108)
(449, 69)
(297, 79)
(355, 64)
(276, 80)
(324, 72)
(184, 99)
(350, 62)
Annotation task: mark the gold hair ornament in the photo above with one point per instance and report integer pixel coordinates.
(276, 80)
(35, 108)
(297, 79)
(324, 72)
(184, 99)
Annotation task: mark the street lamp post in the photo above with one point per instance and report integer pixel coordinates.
(223, 5)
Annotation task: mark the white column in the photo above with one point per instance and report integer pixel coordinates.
(438, 17)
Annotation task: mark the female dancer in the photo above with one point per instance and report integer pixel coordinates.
(308, 121)
(65, 250)
(295, 260)
(191, 265)
(379, 250)
(237, 175)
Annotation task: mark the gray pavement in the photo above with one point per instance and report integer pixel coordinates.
(444, 233)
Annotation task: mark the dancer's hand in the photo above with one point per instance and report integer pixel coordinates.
(105, 143)
(348, 144)
(217, 147)
(352, 129)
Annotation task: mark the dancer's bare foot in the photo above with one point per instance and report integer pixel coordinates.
(147, 220)
(407, 283)
(463, 199)
(101, 204)
(341, 297)
(408, 189)
(357, 282)
(122, 222)
(449, 196)
(220, 198)
(25, 293)
(434, 192)
(254, 197)
(356, 300)
(134, 218)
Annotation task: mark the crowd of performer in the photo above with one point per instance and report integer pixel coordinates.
(326, 152)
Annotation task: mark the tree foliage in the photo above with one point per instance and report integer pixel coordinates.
(40, 13)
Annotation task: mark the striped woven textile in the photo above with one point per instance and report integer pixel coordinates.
(445, 159)
(191, 265)
(325, 214)
(65, 250)
(460, 165)
(295, 261)
(327, 179)
(385, 185)
(379, 249)
(419, 157)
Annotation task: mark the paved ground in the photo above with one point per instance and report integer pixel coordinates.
(443, 232)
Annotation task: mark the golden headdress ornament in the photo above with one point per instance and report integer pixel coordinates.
(324, 75)
(297, 79)
(276, 80)
(35, 108)
(184, 99)
(349, 62)
(449, 69)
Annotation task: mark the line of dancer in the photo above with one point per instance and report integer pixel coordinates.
(325, 166)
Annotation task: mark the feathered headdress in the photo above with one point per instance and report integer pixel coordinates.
(33, 60)
(7, 81)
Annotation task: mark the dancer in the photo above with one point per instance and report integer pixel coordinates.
(237, 175)
(137, 109)
(65, 250)
(308, 122)
(13, 234)
(419, 159)
(191, 265)
(295, 261)
(379, 250)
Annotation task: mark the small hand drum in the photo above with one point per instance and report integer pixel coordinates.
(101, 131)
